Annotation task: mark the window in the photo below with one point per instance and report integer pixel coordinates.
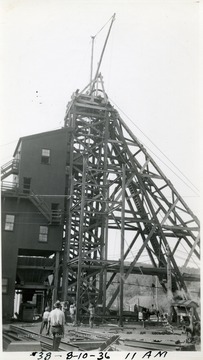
(55, 213)
(4, 286)
(45, 158)
(26, 185)
(43, 233)
(9, 223)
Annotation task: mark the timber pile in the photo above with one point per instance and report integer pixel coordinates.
(88, 340)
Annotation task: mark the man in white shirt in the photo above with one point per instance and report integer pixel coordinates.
(56, 322)
(73, 314)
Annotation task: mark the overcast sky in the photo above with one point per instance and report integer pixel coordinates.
(150, 70)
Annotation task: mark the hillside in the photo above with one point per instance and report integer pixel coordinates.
(146, 290)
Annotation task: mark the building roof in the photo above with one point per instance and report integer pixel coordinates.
(38, 135)
(185, 303)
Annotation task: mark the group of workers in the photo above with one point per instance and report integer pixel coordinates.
(56, 319)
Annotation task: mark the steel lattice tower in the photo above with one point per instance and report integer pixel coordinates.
(114, 184)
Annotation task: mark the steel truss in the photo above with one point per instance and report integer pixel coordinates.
(114, 184)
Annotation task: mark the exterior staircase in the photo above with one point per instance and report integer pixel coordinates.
(41, 205)
(11, 167)
(54, 217)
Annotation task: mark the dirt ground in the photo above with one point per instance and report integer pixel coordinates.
(129, 332)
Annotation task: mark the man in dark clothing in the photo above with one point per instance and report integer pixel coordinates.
(45, 317)
(92, 313)
(136, 312)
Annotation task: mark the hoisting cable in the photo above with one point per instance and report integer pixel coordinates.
(103, 26)
(160, 152)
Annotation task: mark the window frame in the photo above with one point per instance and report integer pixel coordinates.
(9, 225)
(4, 286)
(43, 234)
(46, 159)
(26, 184)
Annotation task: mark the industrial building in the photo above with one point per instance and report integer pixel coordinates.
(33, 216)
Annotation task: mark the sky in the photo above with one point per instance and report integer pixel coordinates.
(150, 71)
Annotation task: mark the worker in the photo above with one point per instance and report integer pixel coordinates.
(193, 331)
(65, 310)
(144, 314)
(45, 317)
(92, 313)
(136, 312)
(73, 313)
(56, 323)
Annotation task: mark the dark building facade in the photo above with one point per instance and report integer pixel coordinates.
(33, 198)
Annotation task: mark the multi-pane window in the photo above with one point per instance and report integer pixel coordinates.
(4, 286)
(9, 222)
(26, 185)
(45, 158)
(43, 233)
(55, 213)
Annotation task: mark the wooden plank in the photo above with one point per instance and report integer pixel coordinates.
(109, 342)
(151, 345)
(24, 346)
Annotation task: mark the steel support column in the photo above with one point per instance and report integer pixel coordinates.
(122, 248)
